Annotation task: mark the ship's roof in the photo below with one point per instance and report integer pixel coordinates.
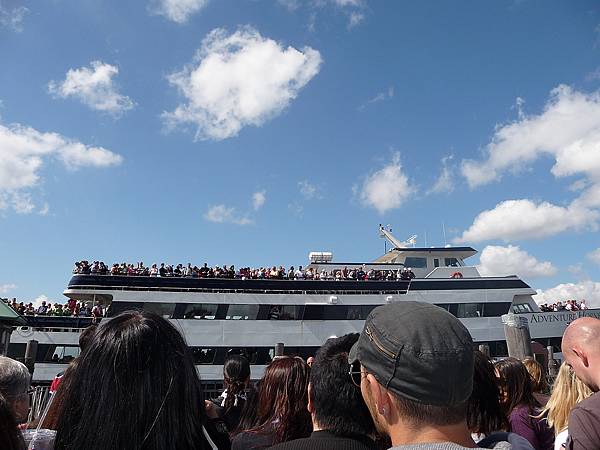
(459, 252)
(9, 316)
(437, 249)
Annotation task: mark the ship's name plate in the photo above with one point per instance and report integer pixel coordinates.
(563, 316)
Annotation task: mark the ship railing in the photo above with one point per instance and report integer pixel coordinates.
(24, 330)
(236, 291)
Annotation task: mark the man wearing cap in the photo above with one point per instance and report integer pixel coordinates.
(415, 363)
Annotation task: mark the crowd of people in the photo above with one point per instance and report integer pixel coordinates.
(409, 381)
(244, 273)
(568, 305)
(71, 308)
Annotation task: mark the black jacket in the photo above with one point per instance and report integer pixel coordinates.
(325, 440)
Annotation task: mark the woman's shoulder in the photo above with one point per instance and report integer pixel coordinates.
(251, 440)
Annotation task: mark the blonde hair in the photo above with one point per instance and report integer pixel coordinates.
(568, 390)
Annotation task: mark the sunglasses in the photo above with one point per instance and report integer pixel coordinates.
(356, 374)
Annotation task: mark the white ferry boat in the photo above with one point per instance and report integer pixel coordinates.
(222, 316)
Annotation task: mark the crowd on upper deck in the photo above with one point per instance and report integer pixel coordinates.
(411, 380)
(568, 305)
(244, 273)
(71, 308)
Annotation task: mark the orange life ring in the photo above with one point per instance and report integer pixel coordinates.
(457, 275)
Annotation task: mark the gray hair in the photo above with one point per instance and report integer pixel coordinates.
(14, 377)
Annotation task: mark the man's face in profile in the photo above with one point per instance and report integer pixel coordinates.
(583, 372)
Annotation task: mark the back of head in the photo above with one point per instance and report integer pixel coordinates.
(337, 403)
(86, 337)
(10, 436)
(537, 374)
(568, 390)
(135, 386)
(14, 383)
(581, 349)
(423, 356)
(236, 373)
(484, 413)
(515, 385)
(283, 399)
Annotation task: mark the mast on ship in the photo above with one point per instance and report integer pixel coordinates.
(386, 233)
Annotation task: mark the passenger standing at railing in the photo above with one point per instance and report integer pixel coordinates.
(42, 309)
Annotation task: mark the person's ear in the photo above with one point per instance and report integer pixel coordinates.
(582, 355)
(379, 395)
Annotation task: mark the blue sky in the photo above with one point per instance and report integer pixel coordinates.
(251, 132)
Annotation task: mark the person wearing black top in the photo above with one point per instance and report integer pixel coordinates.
(229, 405)
(340, 417)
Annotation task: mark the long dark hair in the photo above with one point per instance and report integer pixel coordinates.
(236, 372)
(484, 413)
(10, 436)
(248, 415)
(136, 385)
(516, 384)
(283, 399)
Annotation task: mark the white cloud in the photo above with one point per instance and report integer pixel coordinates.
(386, 188)
(446, 180)
(22, 202)
(500, 261)
(178, 11)
(12, 18)
(344, 3)
(238, 80)
(308, 190)
(353, 10)
(7, 287)
(290, 5)
(23, 153)
(585, 290)
(75, 155)
(355, 18)
(525, 219)
(39, 299)
(568, 129)
(593, 75)
(594, 256)
(224, 214)
(379, 97)
(259, 199)
(93, 86)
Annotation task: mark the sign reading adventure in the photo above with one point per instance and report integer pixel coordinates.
(563, 316)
